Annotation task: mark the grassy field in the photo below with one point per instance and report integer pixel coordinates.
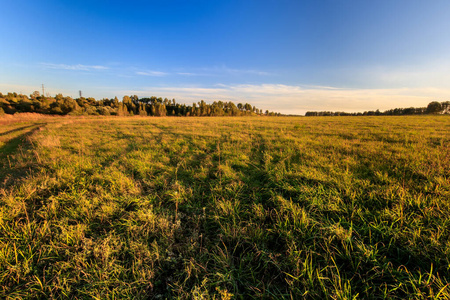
(224, 208)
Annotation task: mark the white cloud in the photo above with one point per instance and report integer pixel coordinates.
(219, 71)
(209, 71)
(152, 73)
(249, 71)
(190, 74)
(230, 71)
(77, 67)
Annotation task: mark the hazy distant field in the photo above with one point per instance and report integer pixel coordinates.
(204, 208)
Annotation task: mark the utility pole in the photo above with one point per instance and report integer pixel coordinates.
(43, 94)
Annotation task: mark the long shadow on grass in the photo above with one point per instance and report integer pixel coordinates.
(9, 171)
(245, 264)
(249, 260)
(17, 129)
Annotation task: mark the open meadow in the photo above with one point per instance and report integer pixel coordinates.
(225, 207)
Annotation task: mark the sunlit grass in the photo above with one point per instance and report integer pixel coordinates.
(219, 208)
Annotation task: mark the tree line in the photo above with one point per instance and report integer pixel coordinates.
(129, 106)
(433, 107)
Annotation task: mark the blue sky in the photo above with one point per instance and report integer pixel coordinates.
(287, 56)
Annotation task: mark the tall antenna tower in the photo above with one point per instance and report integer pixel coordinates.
(43, 94)
(80, 93)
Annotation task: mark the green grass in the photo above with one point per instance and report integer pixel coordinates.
(221, 208)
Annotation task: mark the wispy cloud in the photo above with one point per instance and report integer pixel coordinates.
(77, 67)
(224, 70)
(249, 71)
(219, 71)
(190, 74)
(215, 71)
(151, 73)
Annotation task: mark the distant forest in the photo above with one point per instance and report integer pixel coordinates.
(129, 106)
(432, 108)
(153, 106)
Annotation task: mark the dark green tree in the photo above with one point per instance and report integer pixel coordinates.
(434, 107)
